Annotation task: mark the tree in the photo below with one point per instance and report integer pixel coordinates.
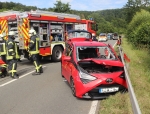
(134, 6)
(61, 7)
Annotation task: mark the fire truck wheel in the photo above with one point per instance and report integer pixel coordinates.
(56, 54)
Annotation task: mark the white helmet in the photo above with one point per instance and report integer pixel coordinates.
(1, 36)
(11, 33)
(93, 34)
(32, 32)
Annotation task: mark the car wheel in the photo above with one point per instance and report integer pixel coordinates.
(57, 53)
(61, 70)
(73, 89)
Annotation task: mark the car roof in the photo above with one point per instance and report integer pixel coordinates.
(89, 43)
(70, 31)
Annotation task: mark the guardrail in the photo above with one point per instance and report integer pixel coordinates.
(133, 100)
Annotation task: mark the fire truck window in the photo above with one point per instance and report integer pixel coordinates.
(36, 29)
(44, 36)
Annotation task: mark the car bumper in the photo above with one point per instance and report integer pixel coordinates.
(94, 93)
(102, 40)
(91, 90)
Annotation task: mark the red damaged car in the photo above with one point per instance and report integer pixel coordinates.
(92, 68)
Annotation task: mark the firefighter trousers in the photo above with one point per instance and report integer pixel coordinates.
(36, 62)
(12, 66)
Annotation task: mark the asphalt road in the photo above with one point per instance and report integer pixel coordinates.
(47, 93)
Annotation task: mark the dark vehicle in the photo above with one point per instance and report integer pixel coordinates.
(110, 36)
(115, 36)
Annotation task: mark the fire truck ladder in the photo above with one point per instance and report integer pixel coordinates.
(40, 12)
(9, 12)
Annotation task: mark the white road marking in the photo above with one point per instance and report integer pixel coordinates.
(18, 78)
(94, 103)
(93, 107)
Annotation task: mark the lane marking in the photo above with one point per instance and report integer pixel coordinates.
(18, 78)
(93, 107)
(94, 103)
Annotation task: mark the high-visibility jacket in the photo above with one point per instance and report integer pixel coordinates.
(16, 51)
(3, 47)
(34, 45)
(11, 52)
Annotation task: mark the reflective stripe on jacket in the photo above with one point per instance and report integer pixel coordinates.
(16, 51)
(3, 48)
(34, 45)
(11, 49)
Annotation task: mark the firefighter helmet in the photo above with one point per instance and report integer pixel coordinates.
(32, 32)
(1, 36)
(93, 34)
(11, 33)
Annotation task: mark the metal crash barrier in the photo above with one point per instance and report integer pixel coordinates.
(133, 100)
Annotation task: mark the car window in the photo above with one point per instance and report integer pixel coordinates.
(95, 52)
(102, 34)
(79, 34)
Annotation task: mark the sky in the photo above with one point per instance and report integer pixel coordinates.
(81, 5)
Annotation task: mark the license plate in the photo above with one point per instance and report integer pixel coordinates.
(108, 90)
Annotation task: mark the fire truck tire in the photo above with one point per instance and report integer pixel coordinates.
(57, 53)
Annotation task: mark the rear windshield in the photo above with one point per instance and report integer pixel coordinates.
(102, 34)
(98, 52)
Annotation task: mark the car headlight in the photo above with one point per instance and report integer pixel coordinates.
(86, 77)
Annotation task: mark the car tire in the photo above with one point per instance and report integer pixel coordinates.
(57, 53)
(73, 89)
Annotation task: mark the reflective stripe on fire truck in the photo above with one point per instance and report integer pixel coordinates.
(4, 27)
(23, 30)
(57, 44)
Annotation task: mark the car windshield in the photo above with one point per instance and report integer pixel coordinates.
(79, 34)
(98, 52)
(102, 34)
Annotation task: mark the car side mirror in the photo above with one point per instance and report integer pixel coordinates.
(67, 58)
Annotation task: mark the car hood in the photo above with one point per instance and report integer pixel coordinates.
(105, 62)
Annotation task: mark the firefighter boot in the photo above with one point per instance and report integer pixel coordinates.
(15, 76)
(41, 70)
(36, 73)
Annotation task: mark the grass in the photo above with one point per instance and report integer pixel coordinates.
(139, 73)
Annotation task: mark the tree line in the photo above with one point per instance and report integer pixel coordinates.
(131, 20)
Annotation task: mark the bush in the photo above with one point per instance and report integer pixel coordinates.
(138, 29)
(143, 35)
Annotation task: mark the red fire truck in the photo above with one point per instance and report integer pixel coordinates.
(50, 27)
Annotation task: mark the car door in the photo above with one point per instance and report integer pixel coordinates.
(66, 65)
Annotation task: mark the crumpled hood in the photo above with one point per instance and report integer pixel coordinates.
(106, 62)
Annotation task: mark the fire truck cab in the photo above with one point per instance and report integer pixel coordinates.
(51, 28)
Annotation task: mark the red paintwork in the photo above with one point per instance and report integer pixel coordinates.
(44, 51)
(69, 69)
(106, 62)
(1, 62)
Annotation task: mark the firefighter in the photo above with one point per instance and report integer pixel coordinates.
(34, 51)
(119, 41)
(12, 55)
(3, 71)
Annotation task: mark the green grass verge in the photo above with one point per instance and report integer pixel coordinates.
(139, 73)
